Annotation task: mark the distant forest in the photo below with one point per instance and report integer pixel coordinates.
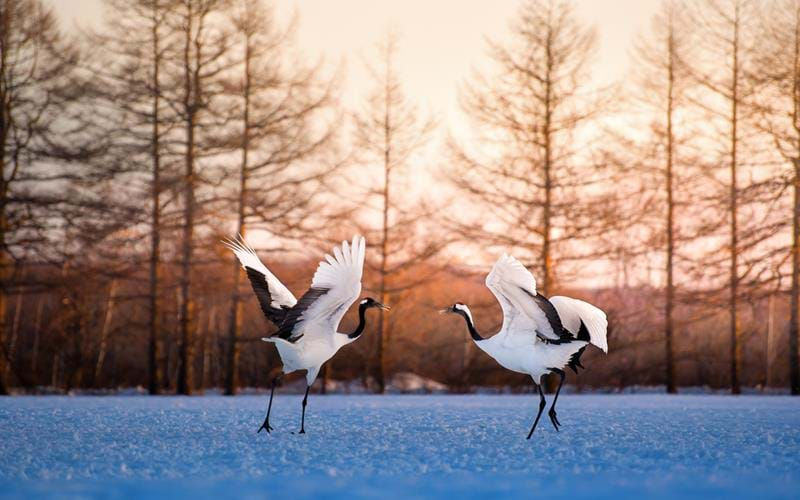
(670, 199)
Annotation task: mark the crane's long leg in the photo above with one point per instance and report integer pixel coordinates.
(265, 425)
(552, 412)
(542, 404)
(303, 417)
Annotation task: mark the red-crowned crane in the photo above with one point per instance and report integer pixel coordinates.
(307, 333)
(538, 336)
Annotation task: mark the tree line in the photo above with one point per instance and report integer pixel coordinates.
(671, 199)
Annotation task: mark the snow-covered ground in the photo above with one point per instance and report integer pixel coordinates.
(424, 446)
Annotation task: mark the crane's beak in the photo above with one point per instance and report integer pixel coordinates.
(383, 306)
(446, 310)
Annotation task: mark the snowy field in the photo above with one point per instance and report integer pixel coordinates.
(620, 446)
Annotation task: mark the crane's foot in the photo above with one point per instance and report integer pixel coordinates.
(533, 428)
(266, 427)
(554, 418)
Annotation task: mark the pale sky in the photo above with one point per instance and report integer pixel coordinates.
(441, 41)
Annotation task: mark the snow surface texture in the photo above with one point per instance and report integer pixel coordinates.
(621, 446)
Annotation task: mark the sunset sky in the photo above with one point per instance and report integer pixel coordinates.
(441, 44)
(441, 41)
(649, 171)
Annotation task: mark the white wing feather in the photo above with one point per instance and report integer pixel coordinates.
(341, 276)
(514, 286)
(509, 271)
(572, 311)
(280, 295)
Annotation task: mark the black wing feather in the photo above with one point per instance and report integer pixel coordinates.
(261, 289)
(293, 315)
(552, 316)
(564, 336)
(583, 333)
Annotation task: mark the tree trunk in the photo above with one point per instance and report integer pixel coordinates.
(551, 384)
(185, 381)
(54, 373)
(206, 342)
(37, 333)
(12, 341)
(383, 324)
(234, 327)
(794, 361)
(670, 291)
(387, 165)
(104, 333)
(734, 272)
(5, 261)
(548, 171)
(154, 371)
(235, 323)
(186, 372)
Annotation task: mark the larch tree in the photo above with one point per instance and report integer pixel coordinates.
(389, 132)
(284, 135)
(526, 164)
(127, 69)
(196, 71)
(37, 88)
(156, 10)
(722, 24)
(661, 60)
(776, 75)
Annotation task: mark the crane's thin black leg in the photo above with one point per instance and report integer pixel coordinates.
(303, 418)
(265, 425)
(552, 412)
(542, 404)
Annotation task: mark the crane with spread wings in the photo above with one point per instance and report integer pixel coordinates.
(306, 335)
(539, 336)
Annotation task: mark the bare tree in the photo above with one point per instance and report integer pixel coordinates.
(37, 66)
(284, 114)
(530, 177)
(127, 69)
(157, 19)
(661, 60)
(199, 68)
(776, 74)
(722, 24)
(389, 133)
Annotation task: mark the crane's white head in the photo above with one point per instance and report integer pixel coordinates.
(460, 309)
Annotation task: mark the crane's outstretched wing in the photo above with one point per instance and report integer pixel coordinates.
(526, 314)
(335, 286)
(576, 315)
(275, 299)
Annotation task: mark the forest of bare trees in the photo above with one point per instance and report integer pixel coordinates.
(670, 199)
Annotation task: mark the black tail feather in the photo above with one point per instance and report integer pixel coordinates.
(575, 359)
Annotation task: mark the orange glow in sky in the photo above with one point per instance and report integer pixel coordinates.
(441, 44)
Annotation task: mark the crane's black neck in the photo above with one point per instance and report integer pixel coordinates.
(471, 327)
(362, 309)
